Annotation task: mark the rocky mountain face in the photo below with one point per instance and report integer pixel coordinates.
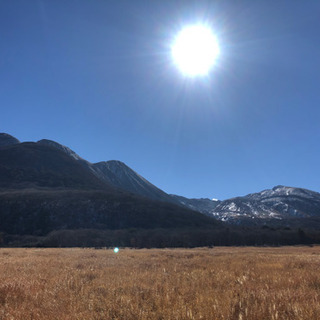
(278, 204)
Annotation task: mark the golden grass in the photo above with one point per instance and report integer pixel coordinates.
(218, 283)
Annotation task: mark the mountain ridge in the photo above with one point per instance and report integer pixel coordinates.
(277, 205)
(117, 174)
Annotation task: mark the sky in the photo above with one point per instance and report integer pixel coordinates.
(98, 77)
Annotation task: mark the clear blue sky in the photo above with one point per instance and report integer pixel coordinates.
(98, 77)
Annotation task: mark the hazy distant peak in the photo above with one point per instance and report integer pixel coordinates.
(7, 140)
(61, 147)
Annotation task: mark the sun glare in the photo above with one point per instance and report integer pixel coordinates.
(195, 50)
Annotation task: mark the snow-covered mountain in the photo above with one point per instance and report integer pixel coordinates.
(278, 203)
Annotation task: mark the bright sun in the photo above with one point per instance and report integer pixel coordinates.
(195, 50)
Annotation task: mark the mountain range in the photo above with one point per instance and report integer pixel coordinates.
(279, 205)
(46, 186)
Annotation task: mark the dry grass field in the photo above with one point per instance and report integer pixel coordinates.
(218, 283)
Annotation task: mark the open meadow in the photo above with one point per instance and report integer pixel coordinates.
(218, 283)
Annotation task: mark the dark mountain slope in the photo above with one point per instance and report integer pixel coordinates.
(45, 186)
(31, 164)
(56, 145)
(119, 175)
(7, 140)
(38, 212)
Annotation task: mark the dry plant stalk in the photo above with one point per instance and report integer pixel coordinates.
(219, 283)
